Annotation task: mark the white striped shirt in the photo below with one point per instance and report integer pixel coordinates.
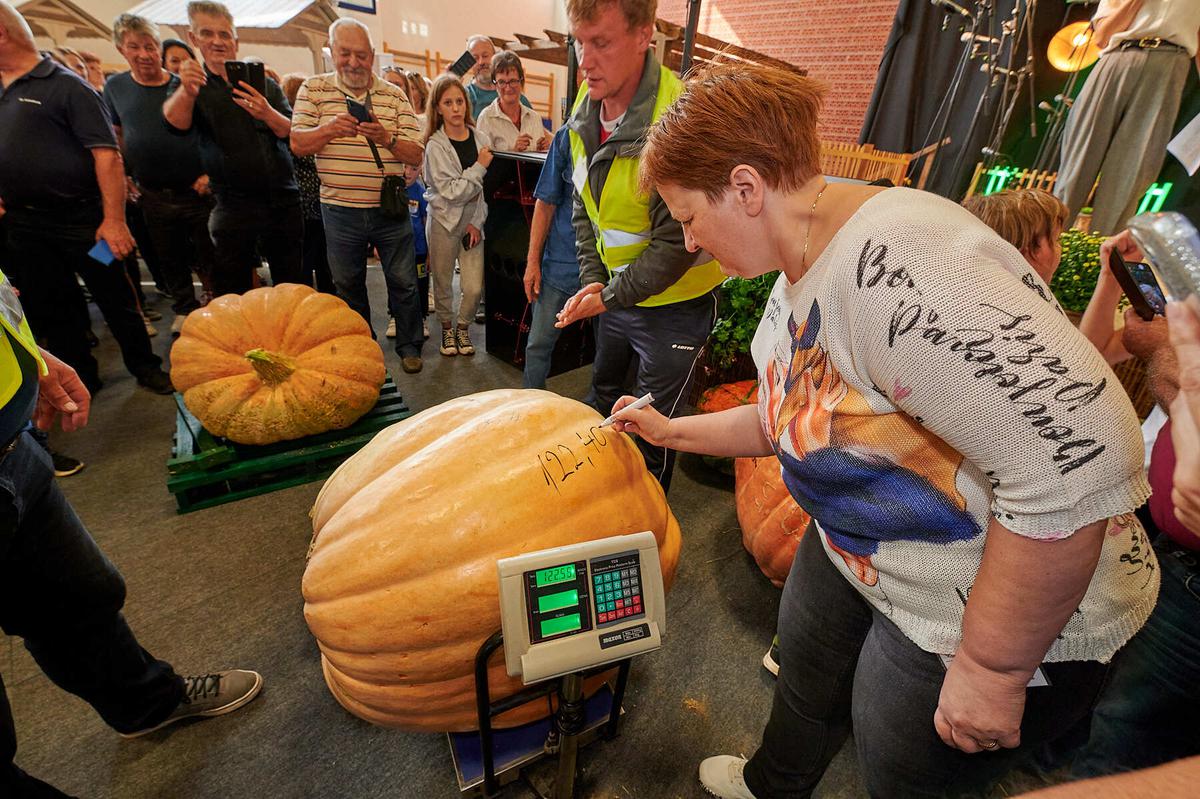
(347, 168)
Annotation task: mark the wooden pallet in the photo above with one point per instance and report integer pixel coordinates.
(204, 471)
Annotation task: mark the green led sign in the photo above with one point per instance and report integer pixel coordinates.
(555, 574)
(998, 178)
(563, 624)
(1154, 198)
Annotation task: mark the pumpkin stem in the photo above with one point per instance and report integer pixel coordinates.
(272, 367)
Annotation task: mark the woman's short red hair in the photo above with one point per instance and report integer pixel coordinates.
(731, 114)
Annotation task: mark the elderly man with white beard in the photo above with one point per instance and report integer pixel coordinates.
(362, 131)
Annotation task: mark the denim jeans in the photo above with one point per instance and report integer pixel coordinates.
(841, 662)
(1149, 710)
(63, 597)
(543, 335)
(348, 234)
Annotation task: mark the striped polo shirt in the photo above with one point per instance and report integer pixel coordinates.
(349, 174)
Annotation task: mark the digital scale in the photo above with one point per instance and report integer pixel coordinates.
(565, 613)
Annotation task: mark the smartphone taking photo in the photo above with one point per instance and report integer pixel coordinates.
(358, 110)
(463, 65)
(250, 72)
(1140, 286)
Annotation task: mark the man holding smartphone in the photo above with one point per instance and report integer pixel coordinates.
(242, 134)
(481, 89)
(362, 131)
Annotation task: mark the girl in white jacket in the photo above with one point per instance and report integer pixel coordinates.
(456, 159)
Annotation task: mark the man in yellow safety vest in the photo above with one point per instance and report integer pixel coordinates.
(654, 302)
(57, 589)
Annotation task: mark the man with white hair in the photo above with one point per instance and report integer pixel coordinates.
(481, 90)
(242, 135)
(164, 167)
(359, 158)
(62, 183)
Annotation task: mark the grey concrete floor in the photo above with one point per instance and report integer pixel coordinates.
(220, 588)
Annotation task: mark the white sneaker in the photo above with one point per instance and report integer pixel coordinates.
(177, 324)
(425, 328)
(151, 330)
(391, 330)
(722, 777)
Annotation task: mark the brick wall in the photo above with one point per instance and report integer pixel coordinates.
(838, 42)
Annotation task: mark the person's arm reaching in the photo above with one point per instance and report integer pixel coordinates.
(736, 432)
(110, 174)
(1178, 778)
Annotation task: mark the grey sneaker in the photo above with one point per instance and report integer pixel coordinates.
(211, 695)
(722, 777)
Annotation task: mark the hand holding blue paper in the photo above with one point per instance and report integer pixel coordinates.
(102, 253)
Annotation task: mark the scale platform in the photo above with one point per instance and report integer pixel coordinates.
(518, 746)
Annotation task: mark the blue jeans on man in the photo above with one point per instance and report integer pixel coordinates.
(349, 232)
(543, 335)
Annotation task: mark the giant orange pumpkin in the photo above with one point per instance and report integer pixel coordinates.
(275, 364)
(772, 523)
(401, 586)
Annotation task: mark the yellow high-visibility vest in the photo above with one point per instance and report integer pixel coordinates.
(12, 319)
(622, 219)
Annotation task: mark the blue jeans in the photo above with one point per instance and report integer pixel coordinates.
(1147, 714)
(543, 335)
(63, 597)
(349, 232)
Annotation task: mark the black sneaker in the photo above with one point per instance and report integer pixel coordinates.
(771, 659)
(65, 465)
(211, 695)
(448, 347)
(157, 381)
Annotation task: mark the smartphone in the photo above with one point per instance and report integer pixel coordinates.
(466, 241)
(1172, 245)
(358, 110)
(1140, 286)
(463, 65)
(251, 72)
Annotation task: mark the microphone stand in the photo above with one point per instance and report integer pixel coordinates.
(950, 99)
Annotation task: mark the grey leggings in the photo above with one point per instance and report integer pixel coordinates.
(445, 247)
(843, 662)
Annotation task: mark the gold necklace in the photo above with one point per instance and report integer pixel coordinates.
(808, 230)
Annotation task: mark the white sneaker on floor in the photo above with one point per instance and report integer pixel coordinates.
(391, 330)
(425, 328)
(177, 324)
(722, 777)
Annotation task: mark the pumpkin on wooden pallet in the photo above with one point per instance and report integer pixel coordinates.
(275, 364)
(772, 523)
(401, 587)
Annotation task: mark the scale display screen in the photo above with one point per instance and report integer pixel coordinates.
(554, 575)
(558, 601)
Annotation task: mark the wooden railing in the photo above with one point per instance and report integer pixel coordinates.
(1014, 179)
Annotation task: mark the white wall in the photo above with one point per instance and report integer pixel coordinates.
(447, 24)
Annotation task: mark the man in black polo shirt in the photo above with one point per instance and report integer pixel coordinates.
(63, 186)
(164, 165)
(243, 139)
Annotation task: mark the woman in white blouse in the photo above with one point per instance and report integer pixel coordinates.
(510, 125)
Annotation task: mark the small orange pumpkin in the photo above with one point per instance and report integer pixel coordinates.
(772, 523)
(728, 395)
(401, 588)
(275, 364)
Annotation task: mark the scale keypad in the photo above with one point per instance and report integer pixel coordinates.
(618, 593)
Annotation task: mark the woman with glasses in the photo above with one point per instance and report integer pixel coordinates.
(510, 125)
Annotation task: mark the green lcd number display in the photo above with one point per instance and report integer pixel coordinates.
(563, 624)
(555, 574)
